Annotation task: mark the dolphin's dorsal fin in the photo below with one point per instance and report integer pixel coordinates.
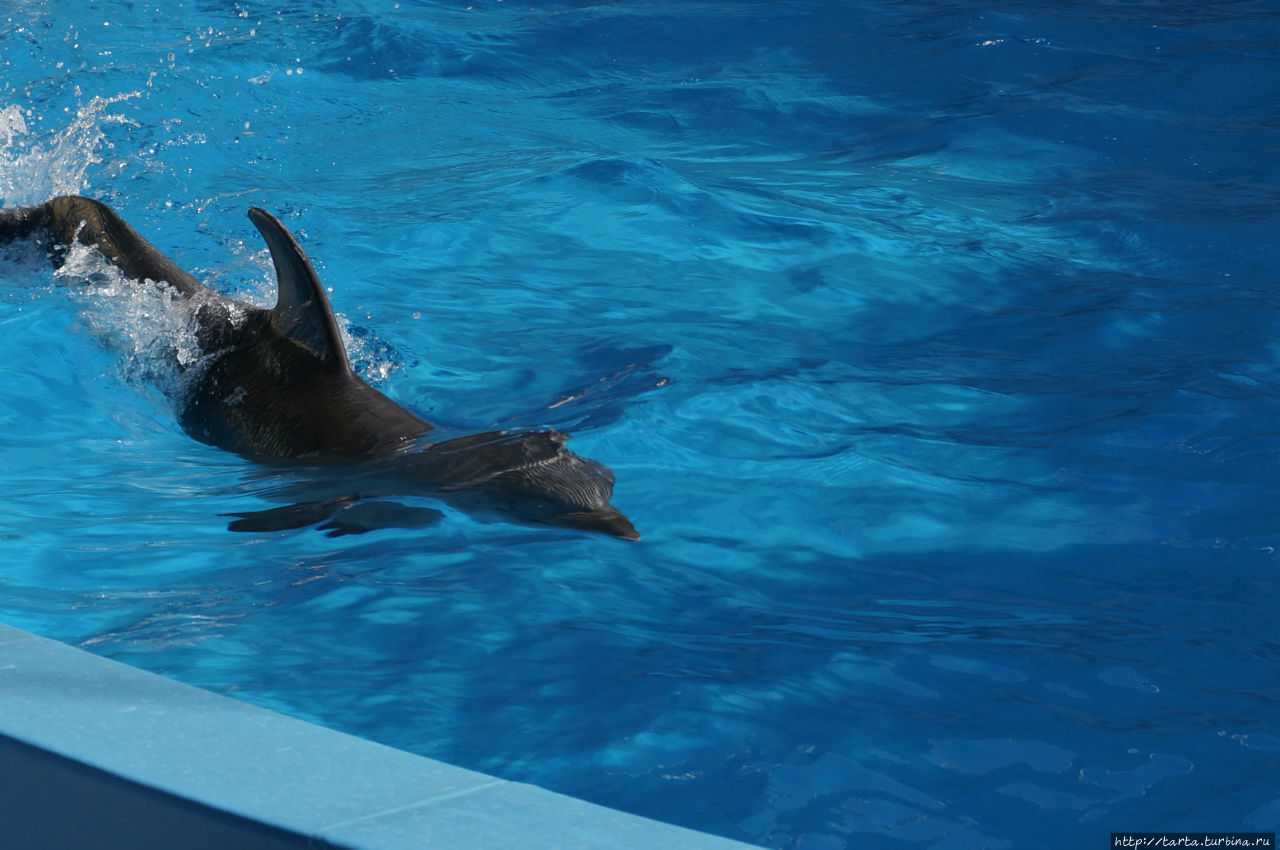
(302, 312)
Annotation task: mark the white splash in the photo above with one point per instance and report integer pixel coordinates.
(34, 169)
(150, 325)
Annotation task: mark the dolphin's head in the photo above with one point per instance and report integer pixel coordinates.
(528, 474)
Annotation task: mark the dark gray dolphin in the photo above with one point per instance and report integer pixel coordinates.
(276, 386)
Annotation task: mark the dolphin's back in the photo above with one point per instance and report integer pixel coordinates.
(281, 385)
(265, 396)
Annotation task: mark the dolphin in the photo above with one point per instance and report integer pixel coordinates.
(276, 386)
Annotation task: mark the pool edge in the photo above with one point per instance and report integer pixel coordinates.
(88, 744)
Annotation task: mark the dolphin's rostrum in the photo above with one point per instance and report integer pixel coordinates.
(276, 386)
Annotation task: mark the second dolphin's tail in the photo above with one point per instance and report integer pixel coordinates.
(22, 222)
(71, 218)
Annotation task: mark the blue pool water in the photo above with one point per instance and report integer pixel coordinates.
(933, 346)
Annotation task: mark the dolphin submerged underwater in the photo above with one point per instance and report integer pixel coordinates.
(275, 386)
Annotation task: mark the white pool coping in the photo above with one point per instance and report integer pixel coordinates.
(94, 753)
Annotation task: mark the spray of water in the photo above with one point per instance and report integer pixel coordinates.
(35, 169)
(147, 323)
(144, 321)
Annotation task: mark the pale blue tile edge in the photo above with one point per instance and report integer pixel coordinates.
(286, 773)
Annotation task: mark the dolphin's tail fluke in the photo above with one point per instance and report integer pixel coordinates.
(71, 218)
(22, 222)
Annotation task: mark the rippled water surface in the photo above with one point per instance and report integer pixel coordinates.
(933, 346)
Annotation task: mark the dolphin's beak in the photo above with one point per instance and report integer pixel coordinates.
(607, 520)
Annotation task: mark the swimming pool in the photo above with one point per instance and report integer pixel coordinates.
(932, 347)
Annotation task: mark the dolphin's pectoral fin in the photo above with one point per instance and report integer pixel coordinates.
(290, 516)
(336, 517)
(367, 516)
(302, 312)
